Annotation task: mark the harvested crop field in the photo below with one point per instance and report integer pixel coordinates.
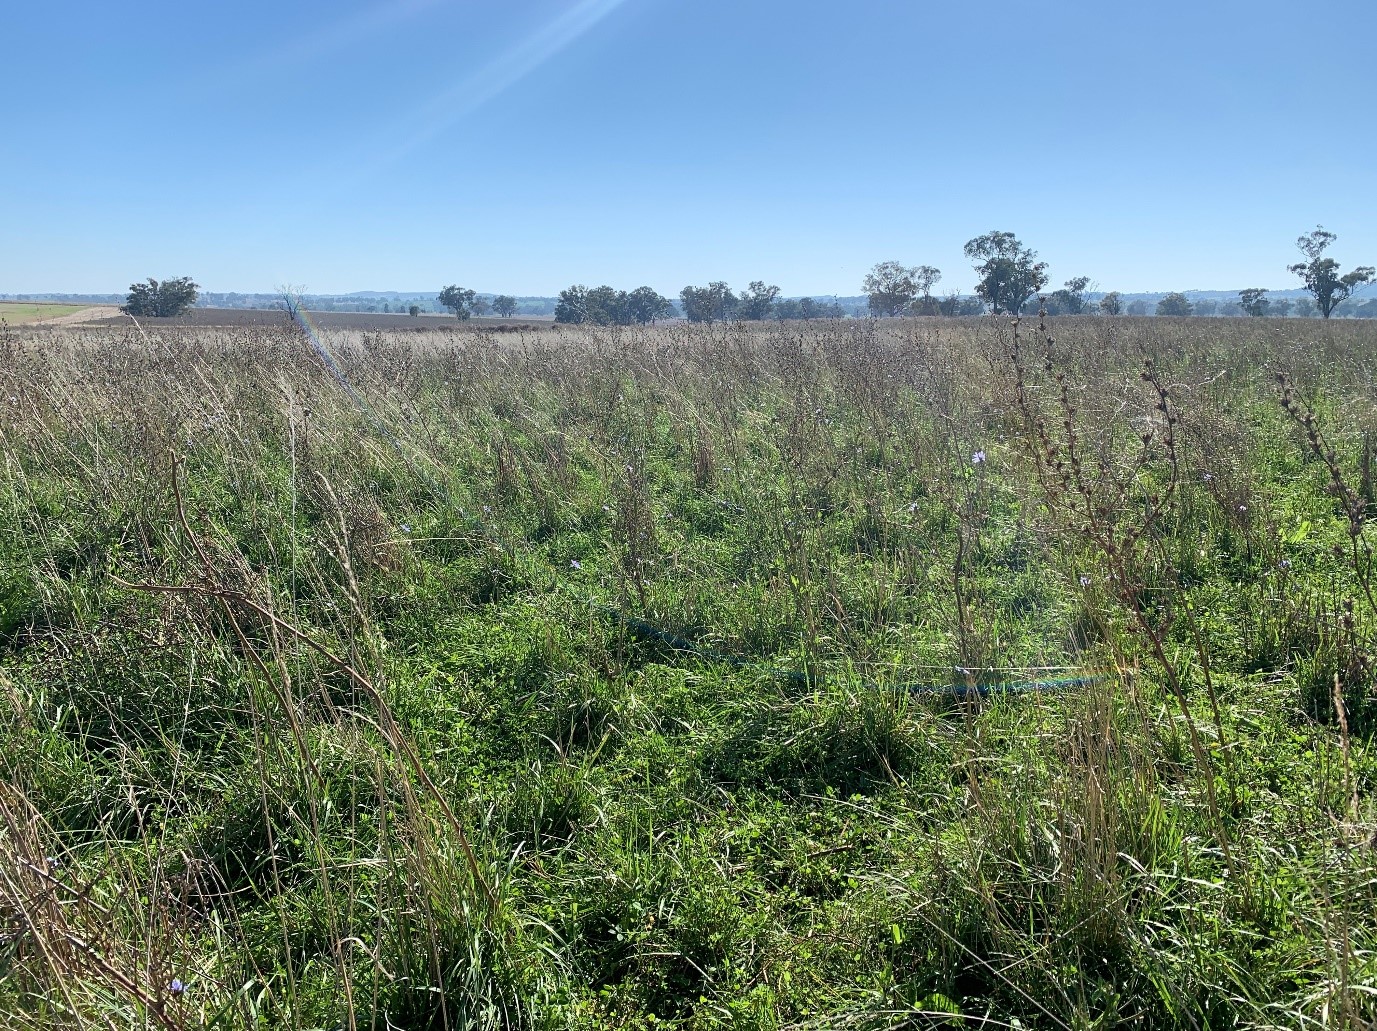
(223, 318)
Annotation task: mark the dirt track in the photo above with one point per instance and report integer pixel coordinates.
(99, 313)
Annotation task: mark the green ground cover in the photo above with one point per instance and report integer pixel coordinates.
(331, 707)
(18, 312)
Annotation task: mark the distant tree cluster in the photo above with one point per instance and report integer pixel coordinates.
(804, 308)
(605, 306)
(162, 300)
(717, 302)
(757, 303)
(1176, 305)
(1010, 276)
(712, 303)
(1071, 299)
(1254, 302)
(894, 289)
(1329, 290)
(465, 304)
(1010, 281)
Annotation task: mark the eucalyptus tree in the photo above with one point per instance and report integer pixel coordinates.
(1321, 274)
(1009, 272)
(459, 301)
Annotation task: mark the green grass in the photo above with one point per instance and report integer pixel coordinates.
(339, 708)
(18, 312)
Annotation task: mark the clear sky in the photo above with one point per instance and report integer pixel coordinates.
(524, 145)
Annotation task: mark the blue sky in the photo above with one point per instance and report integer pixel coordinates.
(524, 145)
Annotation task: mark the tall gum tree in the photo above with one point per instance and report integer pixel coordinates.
(1009, 273)
(1321, 274)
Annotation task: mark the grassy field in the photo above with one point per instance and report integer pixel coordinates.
(914, 673)
(17, 312)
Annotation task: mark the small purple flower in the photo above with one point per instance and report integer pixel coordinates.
(978, 457)
(1207, 477)
(1085, 581)
(406, 527)
(176, 987)
(575, 564)
(1284, 564)
(487, 510)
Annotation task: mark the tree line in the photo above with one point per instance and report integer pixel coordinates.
(716, 302)
(1010, 280)
(608, 306)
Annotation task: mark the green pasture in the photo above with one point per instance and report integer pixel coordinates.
(873, 674)
(18, 312)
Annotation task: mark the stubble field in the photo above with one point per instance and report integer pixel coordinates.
(327, 321)
(859, 674)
